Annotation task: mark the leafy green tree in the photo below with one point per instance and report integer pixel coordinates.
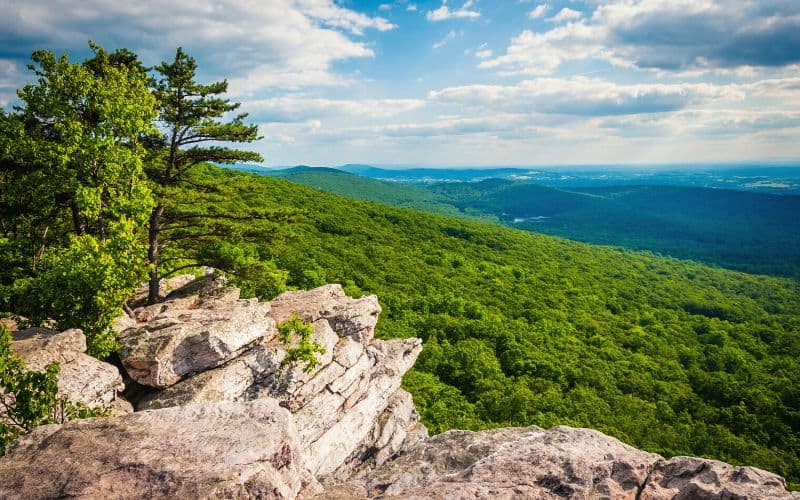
(74, 195)
(85, 284)
(191, 115)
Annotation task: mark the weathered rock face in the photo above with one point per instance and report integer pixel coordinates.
(396, 430)
(690, 477)
(222, 450)
(336, 405)
(562, 462)
(82, 378)
(354, 318)
(174, 339)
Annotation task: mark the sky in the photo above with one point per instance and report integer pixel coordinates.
(464, 82)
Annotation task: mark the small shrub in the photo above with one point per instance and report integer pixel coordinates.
(304, 348)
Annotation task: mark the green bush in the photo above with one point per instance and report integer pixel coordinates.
(85, 285)
(29, 399)
(304, 349)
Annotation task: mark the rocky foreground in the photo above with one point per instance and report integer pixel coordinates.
(204, 408)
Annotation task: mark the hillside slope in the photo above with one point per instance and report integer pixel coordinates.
(521, 328)
(741, 230)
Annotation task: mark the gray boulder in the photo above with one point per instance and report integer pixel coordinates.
(222, 450)
(562, 462)
(82, 378)
(175, 339)
(690, 477)
(355, 318)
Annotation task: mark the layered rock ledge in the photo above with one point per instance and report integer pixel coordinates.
(220, 415)
(82, 378)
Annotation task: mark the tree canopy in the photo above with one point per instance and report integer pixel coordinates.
(74, 192)
(95, 199)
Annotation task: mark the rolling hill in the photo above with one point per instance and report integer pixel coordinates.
(741, 230)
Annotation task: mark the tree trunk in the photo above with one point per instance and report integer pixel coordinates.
(77, 220)
(153, 295)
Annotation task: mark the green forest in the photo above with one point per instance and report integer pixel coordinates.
(107, 187)
(745, 231)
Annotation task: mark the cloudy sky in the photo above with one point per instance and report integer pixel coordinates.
(465, 82)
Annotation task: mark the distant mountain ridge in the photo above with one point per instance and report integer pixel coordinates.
(756, 178)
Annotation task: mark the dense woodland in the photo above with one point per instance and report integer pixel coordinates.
(741, 230)
(518, 328)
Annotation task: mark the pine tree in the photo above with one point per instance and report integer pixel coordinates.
(191, 114)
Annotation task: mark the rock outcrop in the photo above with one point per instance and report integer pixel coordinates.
(562, 462)
(220, 415)
(222, 450)
(175, 339)
(82, 378)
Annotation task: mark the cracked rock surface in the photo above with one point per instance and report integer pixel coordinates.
(220, 450)
(562, 462)
(81, 378)
(337, 406)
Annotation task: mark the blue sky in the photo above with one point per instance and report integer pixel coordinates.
(468, 82)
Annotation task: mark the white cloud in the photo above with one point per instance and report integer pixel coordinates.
(411, 8)
(776, 87)
(330, 14)
(533, 53)
(444, 12)
(538, 11)
(300, 108)
(704, 124)
(297, 41)
(585, 96)
(384, 7)
(667, 36)
(448, 126)
(451, 35)
(565, 14)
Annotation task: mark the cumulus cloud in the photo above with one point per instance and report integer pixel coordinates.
(298, 40)
(585, 97)
(483, 52)
(300, 108)
(453, 126)
(565, 14)
(444, 12)
(708, 124)
(663, 35)
(538, 11)
(537, 54)
(775, 87)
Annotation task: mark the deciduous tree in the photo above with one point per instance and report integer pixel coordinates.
(74, 194)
